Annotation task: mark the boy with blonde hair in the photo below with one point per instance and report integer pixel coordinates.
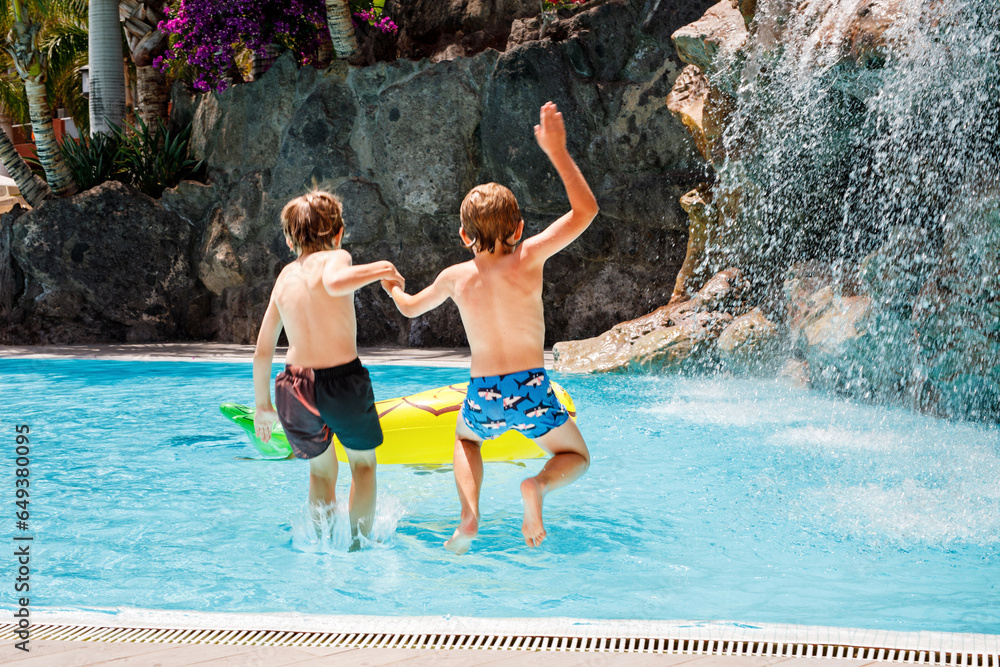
(499, 296)
(324, 390)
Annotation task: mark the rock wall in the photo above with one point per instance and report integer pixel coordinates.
(402, 142)
(106, 265)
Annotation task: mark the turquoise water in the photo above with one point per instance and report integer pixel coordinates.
(708, 498)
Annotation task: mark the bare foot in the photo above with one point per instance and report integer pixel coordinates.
(532, 528)
(464, 534)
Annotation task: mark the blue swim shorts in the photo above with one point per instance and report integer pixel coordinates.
(523, 401)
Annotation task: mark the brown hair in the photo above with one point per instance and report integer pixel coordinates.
(489, 216)
(312, 221)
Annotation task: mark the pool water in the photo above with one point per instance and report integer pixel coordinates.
(708, 498)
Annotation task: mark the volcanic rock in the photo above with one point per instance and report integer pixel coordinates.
(108, 265)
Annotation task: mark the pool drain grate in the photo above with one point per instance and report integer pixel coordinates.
(501, 642)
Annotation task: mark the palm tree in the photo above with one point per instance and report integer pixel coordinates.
(14, 109)
(338, 20)
(107, 76)
(30, 61)
(63, 40)
(146, 42)
(33, 189)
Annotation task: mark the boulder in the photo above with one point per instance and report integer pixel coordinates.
(11, 276)
(711, 42)
(106, 265)
(683, 346)
(669, 337)
(867, 44)
(830, 328)
(750, 343)
(704, 110)
(829, 322)
(429, 28)
(702, 218)
(747, 8)
(686, 102)
(796, 373)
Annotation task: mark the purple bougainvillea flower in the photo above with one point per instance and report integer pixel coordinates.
(207, 34)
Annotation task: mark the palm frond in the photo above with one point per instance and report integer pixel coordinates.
(64, 41)
(36, 9)
(14, 102)
(73, 10)
(13, 98)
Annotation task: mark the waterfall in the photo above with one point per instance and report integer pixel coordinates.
(865, 135)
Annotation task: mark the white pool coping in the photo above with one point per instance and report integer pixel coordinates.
(231, 352)
(726, 631)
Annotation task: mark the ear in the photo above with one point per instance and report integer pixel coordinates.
(288, 242)
(466, 241)
(339, 238)
(515, 238)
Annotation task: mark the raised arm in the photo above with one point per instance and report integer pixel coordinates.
(551, 136)
(426, 299)
(341, 277)
(265, 416)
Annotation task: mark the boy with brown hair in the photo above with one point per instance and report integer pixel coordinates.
(324, 390)
(499, 296)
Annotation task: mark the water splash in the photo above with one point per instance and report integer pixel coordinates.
(328, 530)
(912, 512)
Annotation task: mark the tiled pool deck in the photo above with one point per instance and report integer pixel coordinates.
(756, 647)
(63, 654)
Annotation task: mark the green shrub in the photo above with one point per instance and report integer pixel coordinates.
(93, 160)
(154, 162)
(131, 154)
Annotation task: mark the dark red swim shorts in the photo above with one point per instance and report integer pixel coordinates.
(314, 404)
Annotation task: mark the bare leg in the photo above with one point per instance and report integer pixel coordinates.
(468, 465)
(570, 460)
(323, 479)
(363, 489)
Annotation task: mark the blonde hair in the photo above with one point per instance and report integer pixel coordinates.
(312, 221)
(490, 215)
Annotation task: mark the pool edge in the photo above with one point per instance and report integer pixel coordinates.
(233, 353)
(551, 633)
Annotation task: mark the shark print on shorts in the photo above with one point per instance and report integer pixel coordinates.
(523, 401)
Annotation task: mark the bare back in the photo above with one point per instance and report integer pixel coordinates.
(500, 300)
(321, 329)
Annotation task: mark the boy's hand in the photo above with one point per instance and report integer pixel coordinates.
(263, 423)
(550, 133)
(393, 277)
(388, 284)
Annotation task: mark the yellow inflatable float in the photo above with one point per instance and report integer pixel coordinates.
(418, 429)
